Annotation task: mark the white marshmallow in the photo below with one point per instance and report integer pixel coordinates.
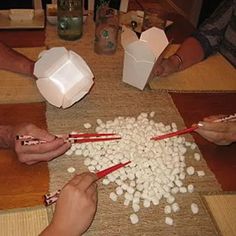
(194, 208)
(134, 219)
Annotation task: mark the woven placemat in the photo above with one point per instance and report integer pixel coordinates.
(17, 88)
(113, 218)
(110, 98)
(24, 221)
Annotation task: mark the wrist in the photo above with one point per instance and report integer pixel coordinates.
(50, 230)
(6, 136)
(54, 229)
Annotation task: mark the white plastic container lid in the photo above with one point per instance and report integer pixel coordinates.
(63, 76)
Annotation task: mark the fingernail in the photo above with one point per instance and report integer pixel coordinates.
(200, 124)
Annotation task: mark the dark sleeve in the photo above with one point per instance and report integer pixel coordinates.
(211, 32)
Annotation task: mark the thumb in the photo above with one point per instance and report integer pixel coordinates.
(158, 70)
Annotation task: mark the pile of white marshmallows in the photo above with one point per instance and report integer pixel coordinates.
(157, 170)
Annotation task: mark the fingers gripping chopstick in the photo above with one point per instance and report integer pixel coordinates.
(191, 129)
(51, 198)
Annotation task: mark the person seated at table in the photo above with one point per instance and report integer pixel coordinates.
(30, 154)
(216, 34)
(221, 133)
(75, 208)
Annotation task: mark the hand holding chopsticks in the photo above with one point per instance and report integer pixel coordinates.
(53, 148)
(218, 130)
(51, 198)
(76, 206)
(229, 118)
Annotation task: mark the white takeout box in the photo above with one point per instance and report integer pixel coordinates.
(141, 54)
(63, 76)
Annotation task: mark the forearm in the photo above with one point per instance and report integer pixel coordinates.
(6, 139)
(190, 52)
(53, 230)
(13, 61)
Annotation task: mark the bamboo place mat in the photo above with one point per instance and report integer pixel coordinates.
(215, 74)
(24, 221)
(110, 98)
(17, 88)
(223, 209)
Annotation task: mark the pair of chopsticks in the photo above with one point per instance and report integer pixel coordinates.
(72, 138)
(173, 134)
(51, 198)
(189, 130)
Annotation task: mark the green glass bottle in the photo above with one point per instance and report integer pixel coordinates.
(70, 19)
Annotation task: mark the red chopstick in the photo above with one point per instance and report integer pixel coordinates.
(84, 135)
(109, 170)
(172, 134)
(88, 140)
(50, 198)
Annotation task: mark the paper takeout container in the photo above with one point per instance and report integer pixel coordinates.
(63, 76)
(141, 54)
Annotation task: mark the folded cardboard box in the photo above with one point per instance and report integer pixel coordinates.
(63, 76)
(141, 54)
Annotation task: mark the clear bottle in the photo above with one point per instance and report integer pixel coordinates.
(70, 19)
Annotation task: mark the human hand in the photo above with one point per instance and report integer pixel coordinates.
(189, 53)
(76, 207)
(167, 66)
(31, 154)
(221, 133)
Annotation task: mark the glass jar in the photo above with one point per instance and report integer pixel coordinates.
(70, 19)
(106, 30)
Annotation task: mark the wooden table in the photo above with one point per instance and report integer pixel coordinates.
(28, 183)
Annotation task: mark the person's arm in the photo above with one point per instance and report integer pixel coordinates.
(189, 53)
(75, 208)
(31, 154)
(221, 133)
(13, 61)
(202, 43)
